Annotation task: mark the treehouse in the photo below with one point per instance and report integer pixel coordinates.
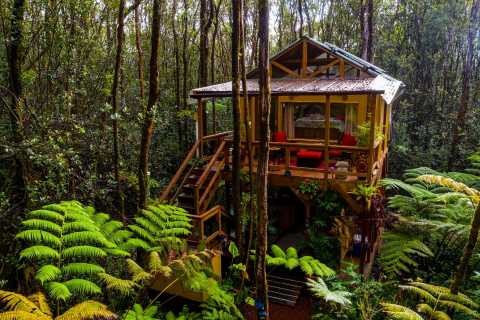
(330, 123)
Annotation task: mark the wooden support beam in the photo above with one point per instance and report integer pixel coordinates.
(323, 68)
(327, 133)
(303, 72)
(372, 105)
(284, 69)
(342, 69)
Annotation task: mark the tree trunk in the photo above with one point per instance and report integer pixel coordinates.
(236, 190)
(138, 45)
(153, 94)
(300, 14)
(366, 24)
(185, 62)
(114, 102)
(262, 171)
(177, 75)
(467, 252)
(248, 139)
(459, 126)
(212, 62)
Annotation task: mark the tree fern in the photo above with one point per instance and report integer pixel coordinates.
(399, 251)
(320, 289)
(398, 312)
(67, 243)
(35, 307)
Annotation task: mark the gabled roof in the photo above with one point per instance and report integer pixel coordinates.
(310, 67)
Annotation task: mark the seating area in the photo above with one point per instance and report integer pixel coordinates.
(309, 158)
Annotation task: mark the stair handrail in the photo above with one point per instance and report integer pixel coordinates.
(210, 164)
(211, 184)
(185, 177)
(180, 170)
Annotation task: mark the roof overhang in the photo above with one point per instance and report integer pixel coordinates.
(281, 87)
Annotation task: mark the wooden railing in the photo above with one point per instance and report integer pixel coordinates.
(199, 150)
(372, 173)
(199, 196)
(199, 222)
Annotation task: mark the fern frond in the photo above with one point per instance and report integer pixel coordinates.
(48, 272)
(79, 268)
(40, 236)
(79, 226)
(17, 302)
(111, 226)
(292, 253)
(44, 225)
(39, 252)
(398, 312)
(87, 237)
(88, 310)
(451, 184)
(138, 273)
(320, 289)
(22, 315)
(82, 287)
(100, 218)
(117, 252)
(83, 251)
(122, 286)
(46, 215)
(41, 301)
(58, 291)
(142, 233)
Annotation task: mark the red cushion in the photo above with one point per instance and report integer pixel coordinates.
(280, 136)
(348, 140)
(335, 153)
(309, 154)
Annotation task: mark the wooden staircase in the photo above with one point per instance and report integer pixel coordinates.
(195, 183)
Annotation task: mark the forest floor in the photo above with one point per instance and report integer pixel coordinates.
(301, 311)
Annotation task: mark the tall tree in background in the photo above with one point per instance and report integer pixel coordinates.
(300, 14)
(366, 25)
(114, 102)
(153, 94)
(138, 45)
(16, 110)
(236, 191)
(467, 252)
(459, 126)
(205, 23)
(262, 171)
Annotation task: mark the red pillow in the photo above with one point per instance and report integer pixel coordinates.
(280, 136)
(349, 140)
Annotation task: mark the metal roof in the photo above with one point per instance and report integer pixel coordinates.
(296, 87)
(375, 79)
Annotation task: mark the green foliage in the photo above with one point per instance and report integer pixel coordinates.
(435, 302)
(67, 243)
(159, 228)
(320, 289)
(139, 313)
(36, 307)
(290, 260)
(399, 251)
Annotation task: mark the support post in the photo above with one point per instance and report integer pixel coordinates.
(327, 133)
(371, 145)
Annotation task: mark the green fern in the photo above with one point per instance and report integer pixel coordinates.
(398, 312)
(68, 246)
(399, 251)
(290, 260)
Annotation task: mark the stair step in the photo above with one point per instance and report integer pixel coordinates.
(185, 195)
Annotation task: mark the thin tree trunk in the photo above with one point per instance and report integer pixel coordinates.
(185, 61)
(114, 102)
(153, 94)
(138, 45)
(236, 190)
(248, 140)
(459, 126)
(212, 63)
(300, 14)
(467, 252)
(262, 171)
(366, 24)
(177, 74)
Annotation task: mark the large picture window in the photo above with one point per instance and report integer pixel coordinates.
(307, 120)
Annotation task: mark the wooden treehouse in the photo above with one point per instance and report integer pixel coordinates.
(330, 122)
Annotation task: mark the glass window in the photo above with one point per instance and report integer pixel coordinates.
(307, 120)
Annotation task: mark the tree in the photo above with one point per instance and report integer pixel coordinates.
(264, 136)
(366, 23)
(459, 126)
(467, 252)
(236, 190)
(153, 94)
(114, 102)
